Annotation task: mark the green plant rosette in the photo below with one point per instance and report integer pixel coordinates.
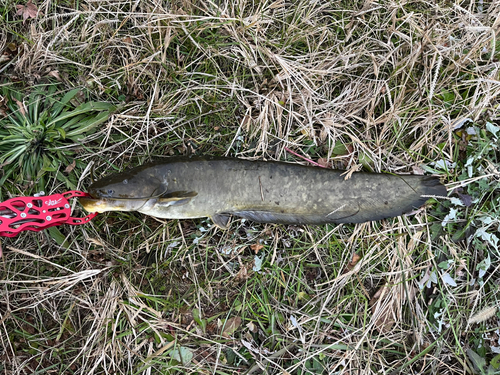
(40, 132)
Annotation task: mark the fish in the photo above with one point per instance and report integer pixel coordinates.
(261, 191)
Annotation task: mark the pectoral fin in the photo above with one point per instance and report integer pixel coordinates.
(221, 220)
(176, 198)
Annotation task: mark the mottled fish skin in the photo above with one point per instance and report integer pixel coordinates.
(268, 192)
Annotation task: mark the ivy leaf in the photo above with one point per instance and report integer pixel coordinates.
(484, 266)
(183, 355)
(466, 199)
(492, 128)
(257, 263)
(448, 279)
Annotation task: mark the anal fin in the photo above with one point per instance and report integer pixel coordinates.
(297, 218)
(221, 220)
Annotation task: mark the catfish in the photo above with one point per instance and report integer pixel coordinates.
(261, 191)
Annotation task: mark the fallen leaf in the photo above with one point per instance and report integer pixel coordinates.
(242, 274)
(246, 122)
(459, 272)
(231, 326)
(21, 107)
(70, 167)
(213, 327)
(385, 305)
(256, 247)
(383, 312)
(55, 74)
(377, 296)
(252, 327)
(29, 10)
(12, 46)
(417, 170)
(245, 271)
(354, 260)
(324, 163)
(385, 320)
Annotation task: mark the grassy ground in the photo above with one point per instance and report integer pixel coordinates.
(396, 86)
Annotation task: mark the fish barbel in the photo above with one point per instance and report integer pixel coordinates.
(262, 191)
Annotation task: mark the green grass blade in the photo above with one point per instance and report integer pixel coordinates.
(13, 154)
(89, 124)
(67, 125)
(59, 106)
(84, 108)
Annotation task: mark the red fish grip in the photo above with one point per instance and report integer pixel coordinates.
(38, 213)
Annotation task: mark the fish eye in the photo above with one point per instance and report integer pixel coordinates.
(110, 191)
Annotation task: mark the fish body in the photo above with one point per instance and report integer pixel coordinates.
(262, 191)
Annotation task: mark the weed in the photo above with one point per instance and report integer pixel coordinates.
(41, 130)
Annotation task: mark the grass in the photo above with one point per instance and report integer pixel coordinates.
(388, 86)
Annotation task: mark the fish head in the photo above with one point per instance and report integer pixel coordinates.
(127, 191)
(127, 185)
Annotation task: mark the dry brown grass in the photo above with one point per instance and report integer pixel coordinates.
(389, 80)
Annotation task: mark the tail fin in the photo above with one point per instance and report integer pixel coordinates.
(432, 186)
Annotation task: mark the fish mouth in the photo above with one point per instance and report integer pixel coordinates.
(99, 203)
(91, 204)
